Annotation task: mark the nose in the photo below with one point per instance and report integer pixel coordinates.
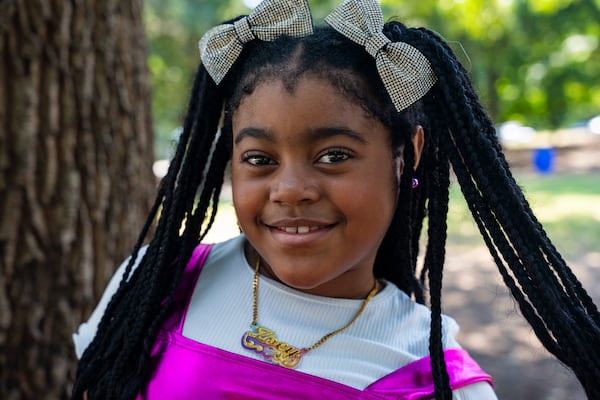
(293, 185)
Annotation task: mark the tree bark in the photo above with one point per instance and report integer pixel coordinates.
(76, 152)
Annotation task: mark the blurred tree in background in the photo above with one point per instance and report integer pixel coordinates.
(76, 183)
(532, 60)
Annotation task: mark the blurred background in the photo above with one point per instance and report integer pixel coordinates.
(534, 62)
(92, 96)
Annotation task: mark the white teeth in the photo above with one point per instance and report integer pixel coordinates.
(299, 229)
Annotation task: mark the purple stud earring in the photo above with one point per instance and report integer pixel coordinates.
(414, 183)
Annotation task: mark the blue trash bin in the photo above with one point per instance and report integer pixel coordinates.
(544, 159)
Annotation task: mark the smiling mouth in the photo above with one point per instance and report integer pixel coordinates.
(300, 229)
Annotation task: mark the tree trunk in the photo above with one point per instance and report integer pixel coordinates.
(76, 152)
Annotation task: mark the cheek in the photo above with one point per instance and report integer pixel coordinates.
(384, 192)
(246, 198)
(371, 196)
(237, 188)
(384, 179)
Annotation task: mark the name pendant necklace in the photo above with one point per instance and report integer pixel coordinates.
(264, 341)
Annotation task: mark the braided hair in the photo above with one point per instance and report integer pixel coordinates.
(458, 134)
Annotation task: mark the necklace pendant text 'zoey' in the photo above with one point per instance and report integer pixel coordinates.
(264, 341)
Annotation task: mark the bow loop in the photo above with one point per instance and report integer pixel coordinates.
(405, 72)
(221, 46)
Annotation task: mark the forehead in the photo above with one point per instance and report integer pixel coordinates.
(310, 110)
(308, 98)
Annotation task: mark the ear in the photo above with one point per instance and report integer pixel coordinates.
(398, 165)
(418, 141)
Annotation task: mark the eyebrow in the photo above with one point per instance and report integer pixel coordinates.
(324, 133)
(254, 133)
(316, 134)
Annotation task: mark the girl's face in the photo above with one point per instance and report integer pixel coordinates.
(314, 186)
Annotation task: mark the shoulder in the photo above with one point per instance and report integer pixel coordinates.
(87, 330)
(475, 391)
(408, 326)
(394, 311)
(220, 253)
(223, 251)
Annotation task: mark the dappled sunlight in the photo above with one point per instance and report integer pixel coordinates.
(551, 208)
(593, 259)
(494, 331)
(225, 225)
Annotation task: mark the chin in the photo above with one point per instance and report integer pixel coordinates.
(299, 282)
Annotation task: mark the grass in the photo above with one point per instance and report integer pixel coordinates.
(567, 205)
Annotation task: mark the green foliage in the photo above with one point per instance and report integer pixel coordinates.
(532, 60)
(173, 29)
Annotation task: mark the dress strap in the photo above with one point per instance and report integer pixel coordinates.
(189, 370)
(185, 289)
(191, 273)
(415, 381)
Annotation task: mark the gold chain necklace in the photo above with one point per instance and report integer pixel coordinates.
(264, 341)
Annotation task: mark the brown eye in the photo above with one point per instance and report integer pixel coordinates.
(334, 156)
(257, 159)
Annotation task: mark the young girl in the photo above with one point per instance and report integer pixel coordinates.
(340, 140)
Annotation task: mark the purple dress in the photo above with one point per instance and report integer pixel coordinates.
(184, 369)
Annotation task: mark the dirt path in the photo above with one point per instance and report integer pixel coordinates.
(496, 335)
(491, 325)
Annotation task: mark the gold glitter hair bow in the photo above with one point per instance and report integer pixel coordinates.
(222, 45)
(404, 70)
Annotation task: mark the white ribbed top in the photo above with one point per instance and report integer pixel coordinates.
(391, 332)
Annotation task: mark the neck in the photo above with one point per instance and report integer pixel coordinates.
(327, 289)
